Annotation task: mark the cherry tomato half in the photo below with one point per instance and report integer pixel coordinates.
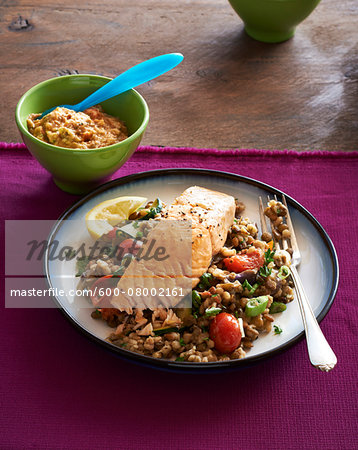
(225, 332)
(103, 285)
(129, 246)
(112, 234)
(244, 261)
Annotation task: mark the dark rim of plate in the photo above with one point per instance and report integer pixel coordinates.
(185, 366)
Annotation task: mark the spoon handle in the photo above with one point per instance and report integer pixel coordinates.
(139, 74)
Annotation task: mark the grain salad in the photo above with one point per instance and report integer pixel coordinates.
(234, 300)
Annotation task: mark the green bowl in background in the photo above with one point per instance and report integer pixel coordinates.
(79, 170)
(272, 20)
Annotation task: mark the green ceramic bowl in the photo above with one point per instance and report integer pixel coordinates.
(272, 20)
(78, 171)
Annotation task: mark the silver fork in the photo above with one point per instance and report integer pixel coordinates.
(320, 353)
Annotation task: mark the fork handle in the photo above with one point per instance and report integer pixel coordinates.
(320, 353)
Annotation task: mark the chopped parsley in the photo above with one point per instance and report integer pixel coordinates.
(251, 289)
(180, 358)
(277, 329)
(154, 210)
(265, 271)
(269, 256)
(81, 264)
(181, 342)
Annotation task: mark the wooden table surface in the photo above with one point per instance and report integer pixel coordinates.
(229, 92)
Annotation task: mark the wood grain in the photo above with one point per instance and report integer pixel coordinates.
(229, 92)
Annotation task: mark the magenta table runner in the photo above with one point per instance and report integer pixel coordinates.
(59, 391)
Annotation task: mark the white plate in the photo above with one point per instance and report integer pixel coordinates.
(318, 270)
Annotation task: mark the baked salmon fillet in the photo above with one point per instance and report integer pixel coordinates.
(214, 210)
(170, 273)
(210, 214)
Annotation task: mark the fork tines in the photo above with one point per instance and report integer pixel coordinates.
(275, 235)
(293, 239)
(265, 234)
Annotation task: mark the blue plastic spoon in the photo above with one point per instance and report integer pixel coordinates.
(139, 74)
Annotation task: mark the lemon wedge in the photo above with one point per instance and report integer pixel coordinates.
(103, 217)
